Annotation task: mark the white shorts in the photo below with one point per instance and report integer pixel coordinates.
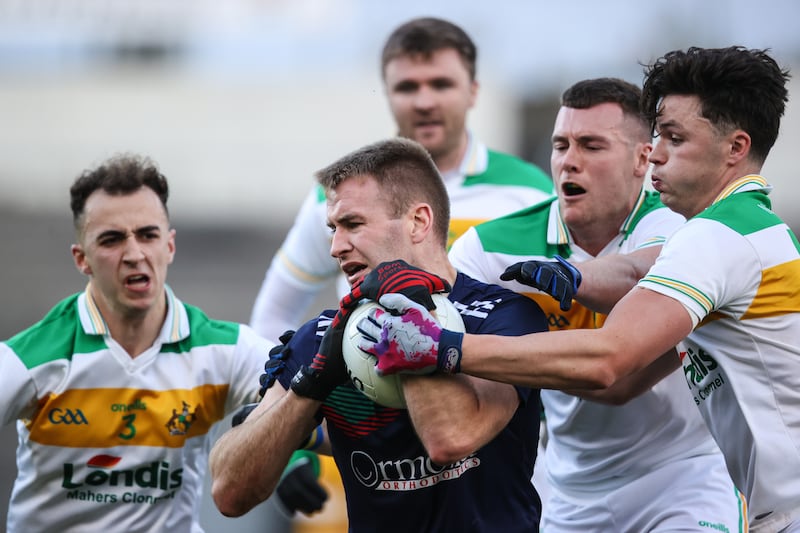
(688, 495)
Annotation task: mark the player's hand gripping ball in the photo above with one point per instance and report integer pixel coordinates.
(386, 390)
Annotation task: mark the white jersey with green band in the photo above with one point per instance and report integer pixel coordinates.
(736, 269)
(486, 185)
(113, 443)
(593, 448)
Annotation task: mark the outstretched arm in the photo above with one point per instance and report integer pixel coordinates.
(641, 327)
(597, 284)
(631, 386)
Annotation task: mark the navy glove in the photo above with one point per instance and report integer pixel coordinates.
(299, 488)
(397, 277)
(557, 278)
(276, 363)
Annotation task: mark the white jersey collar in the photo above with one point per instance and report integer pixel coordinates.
(474, 162)
(751, 182)
(174, 329)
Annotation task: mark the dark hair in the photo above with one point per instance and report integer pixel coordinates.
(589, 93)
(405, 173)
(737, 88)
(424, 36)
(120, 175)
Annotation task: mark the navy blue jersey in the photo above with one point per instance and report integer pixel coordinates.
(390, 482)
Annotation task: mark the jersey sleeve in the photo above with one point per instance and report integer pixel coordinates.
(706, 266)
(18, 393)
(299, 271)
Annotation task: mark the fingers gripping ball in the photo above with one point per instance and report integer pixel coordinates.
(385, 390)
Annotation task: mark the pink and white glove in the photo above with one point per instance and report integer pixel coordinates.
(408, 339)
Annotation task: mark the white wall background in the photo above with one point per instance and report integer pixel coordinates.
(247, 98)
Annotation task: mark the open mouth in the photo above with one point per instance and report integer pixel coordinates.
(137, 280)
(572, 189)
(352, 270)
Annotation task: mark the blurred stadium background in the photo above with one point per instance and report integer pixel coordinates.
(241, 101)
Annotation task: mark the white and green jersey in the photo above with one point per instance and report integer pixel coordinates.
(593, 448)
(486, 185)
(113, 443)
(736, 269)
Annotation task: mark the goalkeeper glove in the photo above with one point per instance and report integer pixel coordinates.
(407, 339)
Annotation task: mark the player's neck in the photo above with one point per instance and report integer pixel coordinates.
(451, 159)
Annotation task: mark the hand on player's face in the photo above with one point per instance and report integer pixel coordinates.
(397, 277)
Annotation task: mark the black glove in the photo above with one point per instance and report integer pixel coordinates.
(276, 363)
(327, 370)
(399, 277)
(299, 488)
(557, 278)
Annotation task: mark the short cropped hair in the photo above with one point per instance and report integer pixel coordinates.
(119, 175)
(589, 93)
(737, 88)
(424, 36)
(405, 173)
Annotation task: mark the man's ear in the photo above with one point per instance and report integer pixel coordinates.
(79, 256)
(642, 163)
(421, 222)
(171, 245)
(740, 144)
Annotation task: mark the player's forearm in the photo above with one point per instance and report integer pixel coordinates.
(551, 360)
(641, 328)
(629, 387)
(454, 416)
(247, 461)
(607, 279)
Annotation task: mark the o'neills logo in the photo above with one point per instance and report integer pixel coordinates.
(406, 474)
(101, 473)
